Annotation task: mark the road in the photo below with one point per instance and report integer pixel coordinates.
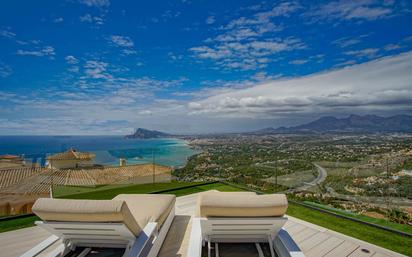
(381, 201)
(322, 174)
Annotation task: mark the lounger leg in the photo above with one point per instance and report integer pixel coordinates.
(209, 249)
(61, 250)
(84, 252)
(272, 251)
(216, 249)
(259, 249)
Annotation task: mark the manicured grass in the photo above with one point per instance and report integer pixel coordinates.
(110, 191)
(201, 188)
(381, 222)
(389, 240)
(59, 190)
(14, 224)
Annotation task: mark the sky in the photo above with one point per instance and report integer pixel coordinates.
(103, 67)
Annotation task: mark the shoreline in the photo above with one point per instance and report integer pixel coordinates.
(173, 152)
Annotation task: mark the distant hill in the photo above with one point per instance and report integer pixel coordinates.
(145, 134)
(353, 123)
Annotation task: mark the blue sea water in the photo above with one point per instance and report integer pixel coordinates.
(108, 149)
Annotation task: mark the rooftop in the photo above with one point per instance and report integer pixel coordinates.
(314, 240)
(71, 154)
(9, 157)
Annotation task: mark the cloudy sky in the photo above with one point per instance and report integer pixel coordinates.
(197, 66)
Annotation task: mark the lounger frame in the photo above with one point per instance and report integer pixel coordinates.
(242, 230)
(106, 235)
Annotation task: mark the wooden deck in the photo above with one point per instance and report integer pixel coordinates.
(314, 241)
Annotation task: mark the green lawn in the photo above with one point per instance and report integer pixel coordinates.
(110, 191)
(376, 236)
(201, 188)
(14, 224)
(382, 222)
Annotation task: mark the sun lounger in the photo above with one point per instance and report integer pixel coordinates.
(241, 218)
(137, 223)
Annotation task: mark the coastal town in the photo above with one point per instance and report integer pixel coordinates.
(368, 174)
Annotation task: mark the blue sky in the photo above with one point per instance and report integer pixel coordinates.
(106, 67)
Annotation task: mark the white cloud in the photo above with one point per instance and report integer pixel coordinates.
(391, 47)
(7, 33)
(5, 70)
(74, 69)
(116, 104)
(58, 20)
(210, 20)
(246, 55)
(45, 51)
(70, 59)
(96, 70)
(145, 112)
(367, 52)
(298, 62)
(129, 51)
(98, 20)
(350, 10)
(249, 43)
(108, 106)
(168, 15)
(122, 41)
(95, 3)
(346, 42)
(379, 85)
(86, 18)
(174, 57)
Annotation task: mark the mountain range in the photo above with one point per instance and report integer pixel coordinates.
(326, 124)
(353, 123)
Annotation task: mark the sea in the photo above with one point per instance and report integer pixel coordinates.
(108, 149)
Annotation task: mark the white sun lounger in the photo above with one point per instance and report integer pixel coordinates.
(137, 223)
(241, 217)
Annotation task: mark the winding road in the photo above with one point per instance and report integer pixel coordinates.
(322, 174)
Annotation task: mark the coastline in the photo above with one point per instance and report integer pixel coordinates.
(173, 152)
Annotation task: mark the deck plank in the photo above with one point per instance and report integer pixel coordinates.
(380, 255)
(324, 247)
(304, 234)
(359, 253)
(296, 229)
(343, 250)
(311, 242)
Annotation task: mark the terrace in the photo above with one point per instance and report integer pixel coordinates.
(314, 240)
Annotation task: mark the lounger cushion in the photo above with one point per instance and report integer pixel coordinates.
(221, 194)
(86, 211)
(241, 205)
(148, 207)
(224, 194)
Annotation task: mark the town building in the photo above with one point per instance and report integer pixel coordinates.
(70, 159)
